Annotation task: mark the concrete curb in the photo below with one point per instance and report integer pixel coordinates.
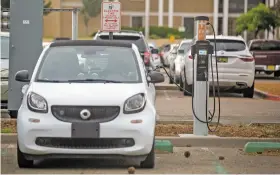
(266, 95)
(194, 141)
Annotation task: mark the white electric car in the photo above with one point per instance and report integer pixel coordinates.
(236, 66)
(176, 64)
(104, 109)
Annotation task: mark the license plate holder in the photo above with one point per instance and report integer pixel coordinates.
(270, 67)
(85, 130)
(222, 59)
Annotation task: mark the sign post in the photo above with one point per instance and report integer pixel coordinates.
(111, 17)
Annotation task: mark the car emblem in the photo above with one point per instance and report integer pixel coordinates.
(222, 52)
(85, 114)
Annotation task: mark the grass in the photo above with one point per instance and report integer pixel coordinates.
(269, 87)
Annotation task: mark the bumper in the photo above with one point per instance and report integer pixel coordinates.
(265, 68)
(121, 127)
(4, 94)
(228, 81)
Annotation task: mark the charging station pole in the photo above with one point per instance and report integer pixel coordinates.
(201, 53)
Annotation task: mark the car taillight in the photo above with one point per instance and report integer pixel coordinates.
(247, 59)
(146, 57)
(190, 57)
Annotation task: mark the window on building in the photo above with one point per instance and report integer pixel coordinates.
(189, 26)
(231, 26)
(137, 21)
(235, 6)
(254, 3)
(220, 26)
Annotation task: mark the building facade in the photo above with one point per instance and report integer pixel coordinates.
(171, 13)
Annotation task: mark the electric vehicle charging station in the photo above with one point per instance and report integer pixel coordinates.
(201, 53)
(26, 32)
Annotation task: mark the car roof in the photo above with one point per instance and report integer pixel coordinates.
(239, 38)
(4, 33)
(112, 43)
(186, 41)
(122, 33)
(264, 40)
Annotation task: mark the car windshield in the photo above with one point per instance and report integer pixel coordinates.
(137, 40)
(265, 46)
(89, 64)
(5, 47)
(185, 46)
(228, 45)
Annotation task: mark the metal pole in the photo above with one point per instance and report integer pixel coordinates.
(147, 18)
(74, 24)
(110, 35)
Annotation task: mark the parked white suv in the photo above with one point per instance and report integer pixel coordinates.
(236, 66)
(107, 109)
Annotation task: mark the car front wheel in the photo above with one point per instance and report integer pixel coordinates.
(149, 162)
(249, 92)
(22, 161)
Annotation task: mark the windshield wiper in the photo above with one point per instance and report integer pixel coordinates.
(95, 80)
(4, 58)
(51, 81)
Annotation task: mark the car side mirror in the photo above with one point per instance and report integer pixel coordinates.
(22, 76)
(155, 51)
(156, 77)
(181, 51)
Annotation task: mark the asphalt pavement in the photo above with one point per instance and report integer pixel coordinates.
(201, 161)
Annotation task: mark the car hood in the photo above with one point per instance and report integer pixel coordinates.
(86, 93)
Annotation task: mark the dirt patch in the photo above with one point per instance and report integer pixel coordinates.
(255, 130)
(269, 87)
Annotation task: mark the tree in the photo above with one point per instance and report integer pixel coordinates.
(6, 4)
(257, 19)
(47, 5)
(90, 9)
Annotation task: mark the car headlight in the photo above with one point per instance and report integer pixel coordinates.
(135, 104)
(37, 103)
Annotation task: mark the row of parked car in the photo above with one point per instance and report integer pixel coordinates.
(238, 62)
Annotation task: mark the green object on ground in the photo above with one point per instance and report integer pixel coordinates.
(164, 145)
(253, 147)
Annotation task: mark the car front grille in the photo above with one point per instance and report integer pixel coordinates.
(97, 113)
(84, 143)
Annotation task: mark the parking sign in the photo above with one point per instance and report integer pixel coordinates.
(111, 16)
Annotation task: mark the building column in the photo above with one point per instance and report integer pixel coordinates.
(160, 13)
(170, 13)
(271, 36)
(245, 11)
(216, 16)
(225, 17)
(147, 18)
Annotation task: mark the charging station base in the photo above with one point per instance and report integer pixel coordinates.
(197, 136)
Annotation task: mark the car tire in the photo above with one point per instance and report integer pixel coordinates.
(249, 92)
(13, 114)
(170, 75)
(149, 162)
(186, 86)
(277, 74)
(22, 161)
(181, 83)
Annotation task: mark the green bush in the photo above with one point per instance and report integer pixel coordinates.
(159, 32)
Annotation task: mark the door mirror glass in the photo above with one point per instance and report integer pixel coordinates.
(156, 77)
(22, 76)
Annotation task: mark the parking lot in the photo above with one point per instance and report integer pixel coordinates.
(201, 160)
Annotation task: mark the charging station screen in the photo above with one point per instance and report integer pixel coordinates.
(202, 52)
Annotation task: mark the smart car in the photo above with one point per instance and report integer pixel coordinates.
(104, 109)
